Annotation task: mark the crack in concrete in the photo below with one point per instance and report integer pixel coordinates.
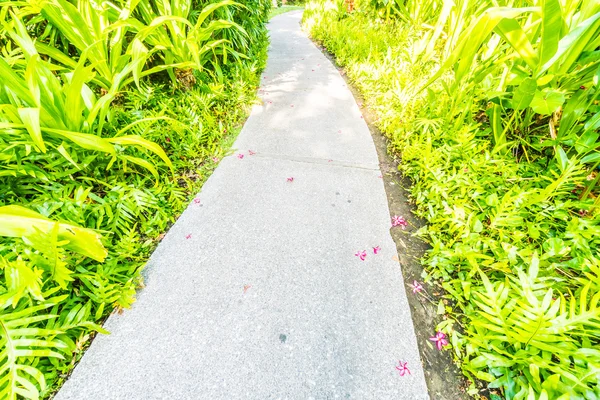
(320, 161)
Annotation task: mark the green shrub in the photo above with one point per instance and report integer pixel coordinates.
(94, 169)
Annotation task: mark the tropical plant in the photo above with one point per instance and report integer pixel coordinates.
(79, 212)
(183, 42)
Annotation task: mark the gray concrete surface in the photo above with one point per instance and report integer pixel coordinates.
(266, 299)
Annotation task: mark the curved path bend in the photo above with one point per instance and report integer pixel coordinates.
(266, 299)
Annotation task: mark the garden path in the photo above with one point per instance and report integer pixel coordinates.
(256, 291)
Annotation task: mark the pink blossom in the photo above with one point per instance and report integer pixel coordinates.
(240, 156)
(376, 249)
(291, 105)
(340, 131)
(188, 236)
(290, 179)
(251, 152)
(362, 255)
(329, 160)
(168, 139)
(402, 368)
(197, 200)
(380, 176)
(399, 221)
(416, 287)
(215, 159)
(246, 287)
(440, 340)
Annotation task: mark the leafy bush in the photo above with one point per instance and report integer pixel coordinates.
(495, 114)
(79, 212)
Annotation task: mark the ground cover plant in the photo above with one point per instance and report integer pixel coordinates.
(494, 110)
(112, 115)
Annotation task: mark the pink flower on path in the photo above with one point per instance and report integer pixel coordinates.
(240, 156)
(402, 368)
(340, 131)
(376, 249)
(290, 179)
(329, 160)
(380, 176)
(362, 255)
(188, 236)
(399, 221)
(251, 152)
(291, 105)
(440, 340)
(215, 159)
(197, 200)
(416, 287)
(246, 287)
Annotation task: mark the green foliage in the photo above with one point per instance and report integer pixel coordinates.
(99, 153)
(494, 111)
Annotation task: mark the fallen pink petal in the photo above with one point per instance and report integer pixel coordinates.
(376, 249)
(246, 287)
(188, 236)
(290, 179)
(215, 159)
(362, 255)
(197, 200)
(240, 156)
(440, 340)
(416, 287)
(402, 368)
(251, 152)
(399, 221)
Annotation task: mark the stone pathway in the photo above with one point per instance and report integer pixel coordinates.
(257, 292)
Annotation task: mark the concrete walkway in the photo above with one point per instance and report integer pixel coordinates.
(256, 292)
